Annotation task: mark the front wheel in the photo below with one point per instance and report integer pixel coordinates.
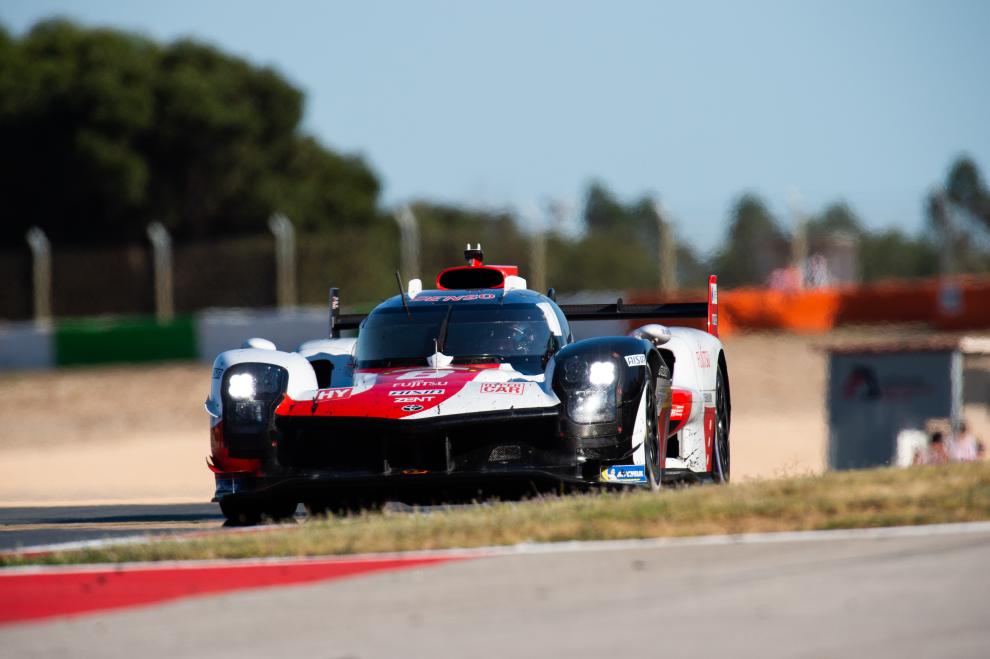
(241, 513)
(281, 510)
(651, 443)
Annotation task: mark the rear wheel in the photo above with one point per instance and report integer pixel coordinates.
(651, 443)
(720, 460)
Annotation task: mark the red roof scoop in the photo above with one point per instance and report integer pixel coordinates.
(475, 274)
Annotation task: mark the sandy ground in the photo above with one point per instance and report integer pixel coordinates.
(132, 433)
(139, 433)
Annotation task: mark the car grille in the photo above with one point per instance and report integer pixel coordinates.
(389, 447)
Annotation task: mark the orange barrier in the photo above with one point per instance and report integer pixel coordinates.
(958, 303)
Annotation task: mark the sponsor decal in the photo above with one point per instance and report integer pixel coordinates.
(411, 408)
(663, 371)
(704, 361)
(413, 399)
(515, 388)
(677, 411)
(416, 392)
(636, 360)
(625, 474)
(709, 398)
(428, 374)
(714, 294)
(455, 298)
(334, 394)
(416, 384)
(217, 372)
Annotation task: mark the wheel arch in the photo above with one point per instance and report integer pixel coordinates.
(723, 367)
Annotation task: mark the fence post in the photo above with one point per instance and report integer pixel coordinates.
(408, 241)
(536, 277)
(41, 274)
(666, 250)
(799, 241)
(285, 260)
(161, 245)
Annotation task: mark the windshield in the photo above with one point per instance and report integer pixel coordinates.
(517, 334)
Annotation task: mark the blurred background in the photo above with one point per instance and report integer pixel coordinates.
(165, 164)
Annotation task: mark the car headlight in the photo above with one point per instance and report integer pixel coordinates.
(241, 386)
(601, 374)
(596, 405)
(590, 389)
(251, 392)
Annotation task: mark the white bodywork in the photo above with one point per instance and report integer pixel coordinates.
(695, 371)
(301, 376)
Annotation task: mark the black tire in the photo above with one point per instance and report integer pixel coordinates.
(651, 444)
(721, 463)
(281, 510)
(318, 509)
(241, 513)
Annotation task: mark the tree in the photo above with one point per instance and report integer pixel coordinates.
(754, 246)
(892, 254)
(837, 218)
(965, 188)
(604, 214)
(105, 131)
(959, 219)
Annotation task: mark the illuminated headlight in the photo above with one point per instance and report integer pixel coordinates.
(592, 405)
(601, 374)
(250, 393)
(241, 386)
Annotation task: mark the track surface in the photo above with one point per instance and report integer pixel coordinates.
(845, 595)
(26, 527)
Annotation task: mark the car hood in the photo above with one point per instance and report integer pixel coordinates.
(416, 393)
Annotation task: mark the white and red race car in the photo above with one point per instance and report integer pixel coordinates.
(477, 386)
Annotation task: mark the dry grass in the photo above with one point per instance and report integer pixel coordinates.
(883, 497)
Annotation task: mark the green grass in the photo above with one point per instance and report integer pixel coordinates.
(851, 499)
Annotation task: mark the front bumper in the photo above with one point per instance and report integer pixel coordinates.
(445, 457)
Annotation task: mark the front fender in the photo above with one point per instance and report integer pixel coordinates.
(301, 378)
(602, 435)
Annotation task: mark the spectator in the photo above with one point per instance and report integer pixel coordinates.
(937, 453)
(965, 448)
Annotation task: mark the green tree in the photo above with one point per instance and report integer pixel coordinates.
(837, 218)
(105, 131)
(892, 254)
(965, 188)
(754, 246)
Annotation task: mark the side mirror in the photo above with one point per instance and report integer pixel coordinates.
(259, 344)
(655, 334)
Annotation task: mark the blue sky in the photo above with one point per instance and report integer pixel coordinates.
(513, 103)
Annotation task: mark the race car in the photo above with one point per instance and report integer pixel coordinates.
(475, 387)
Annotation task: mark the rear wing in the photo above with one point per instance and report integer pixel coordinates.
(621, 311)
(338, 321)
(617, 311)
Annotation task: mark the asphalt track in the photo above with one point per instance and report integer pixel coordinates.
(28, 527)
(900, 593)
